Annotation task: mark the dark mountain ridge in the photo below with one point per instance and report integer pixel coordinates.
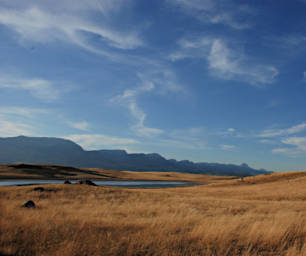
(57, 151)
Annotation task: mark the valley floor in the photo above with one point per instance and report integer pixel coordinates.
(37, 171)
(263, 215)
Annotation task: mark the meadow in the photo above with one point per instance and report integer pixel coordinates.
(263, 215)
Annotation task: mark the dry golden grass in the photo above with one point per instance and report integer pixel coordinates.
(171, 176)
(264, 215)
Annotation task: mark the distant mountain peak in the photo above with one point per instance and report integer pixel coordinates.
(244, 165)
(155, 156)
(57, 151)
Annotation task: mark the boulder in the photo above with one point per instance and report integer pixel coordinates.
(29, 204)
(40, 189)
(87, 182)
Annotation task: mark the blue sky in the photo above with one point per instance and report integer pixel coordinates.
(204, 80)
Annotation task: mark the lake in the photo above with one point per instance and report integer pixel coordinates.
(108, 183)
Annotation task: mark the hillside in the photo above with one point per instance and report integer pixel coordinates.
(39, 171)
(56, 151)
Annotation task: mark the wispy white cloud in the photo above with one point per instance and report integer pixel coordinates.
(227, 132)
(83, 126)
(217, 12)
(297, 147)
(129, 99)
(298, 142)
(38, 88)
(11, 128)
(21, 111)
(164, 80)
(69, 21)
(100, 141)
(228, 147)
(140, 128)
(291, 41)
(225, 62)
(230, 65)
(192, 48)
(285, 151)
(228, 19)
(15, 121)
(104, 6)
(159, 82)
(267, 141)
(289, 146)
(280, 132)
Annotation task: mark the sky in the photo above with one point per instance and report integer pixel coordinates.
(204, 80)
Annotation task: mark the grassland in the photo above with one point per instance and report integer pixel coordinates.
(263, 215)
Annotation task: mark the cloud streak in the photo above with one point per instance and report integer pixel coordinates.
(216, 12)
(293, 146)
(15, 121)
(38, 88)
(100, 141)
(10, 128)
(298, 142)
(280, 132)
(225, 62)
(129, 99)
(158, 82)
(21, 111)
(37, 21)
(83, 126)
(297, 147)
(228, 147)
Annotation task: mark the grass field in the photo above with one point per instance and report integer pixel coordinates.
(263, 215)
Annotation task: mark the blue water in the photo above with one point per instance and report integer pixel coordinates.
(108, 183)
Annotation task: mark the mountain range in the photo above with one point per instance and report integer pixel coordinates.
(58, 151)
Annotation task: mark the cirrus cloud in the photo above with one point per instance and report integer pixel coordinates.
(227, 13)
(38, 88)
(225, 62)
(41, 22)
(99, 141)
(280, 132)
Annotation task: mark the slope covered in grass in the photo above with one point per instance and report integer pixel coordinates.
(39, 171)
(264, 217)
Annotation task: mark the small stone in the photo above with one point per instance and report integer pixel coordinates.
(29, 204)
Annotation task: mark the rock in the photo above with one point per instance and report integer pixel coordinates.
(67, 182)
(29, 204)
(87, 182)
(40, 189)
